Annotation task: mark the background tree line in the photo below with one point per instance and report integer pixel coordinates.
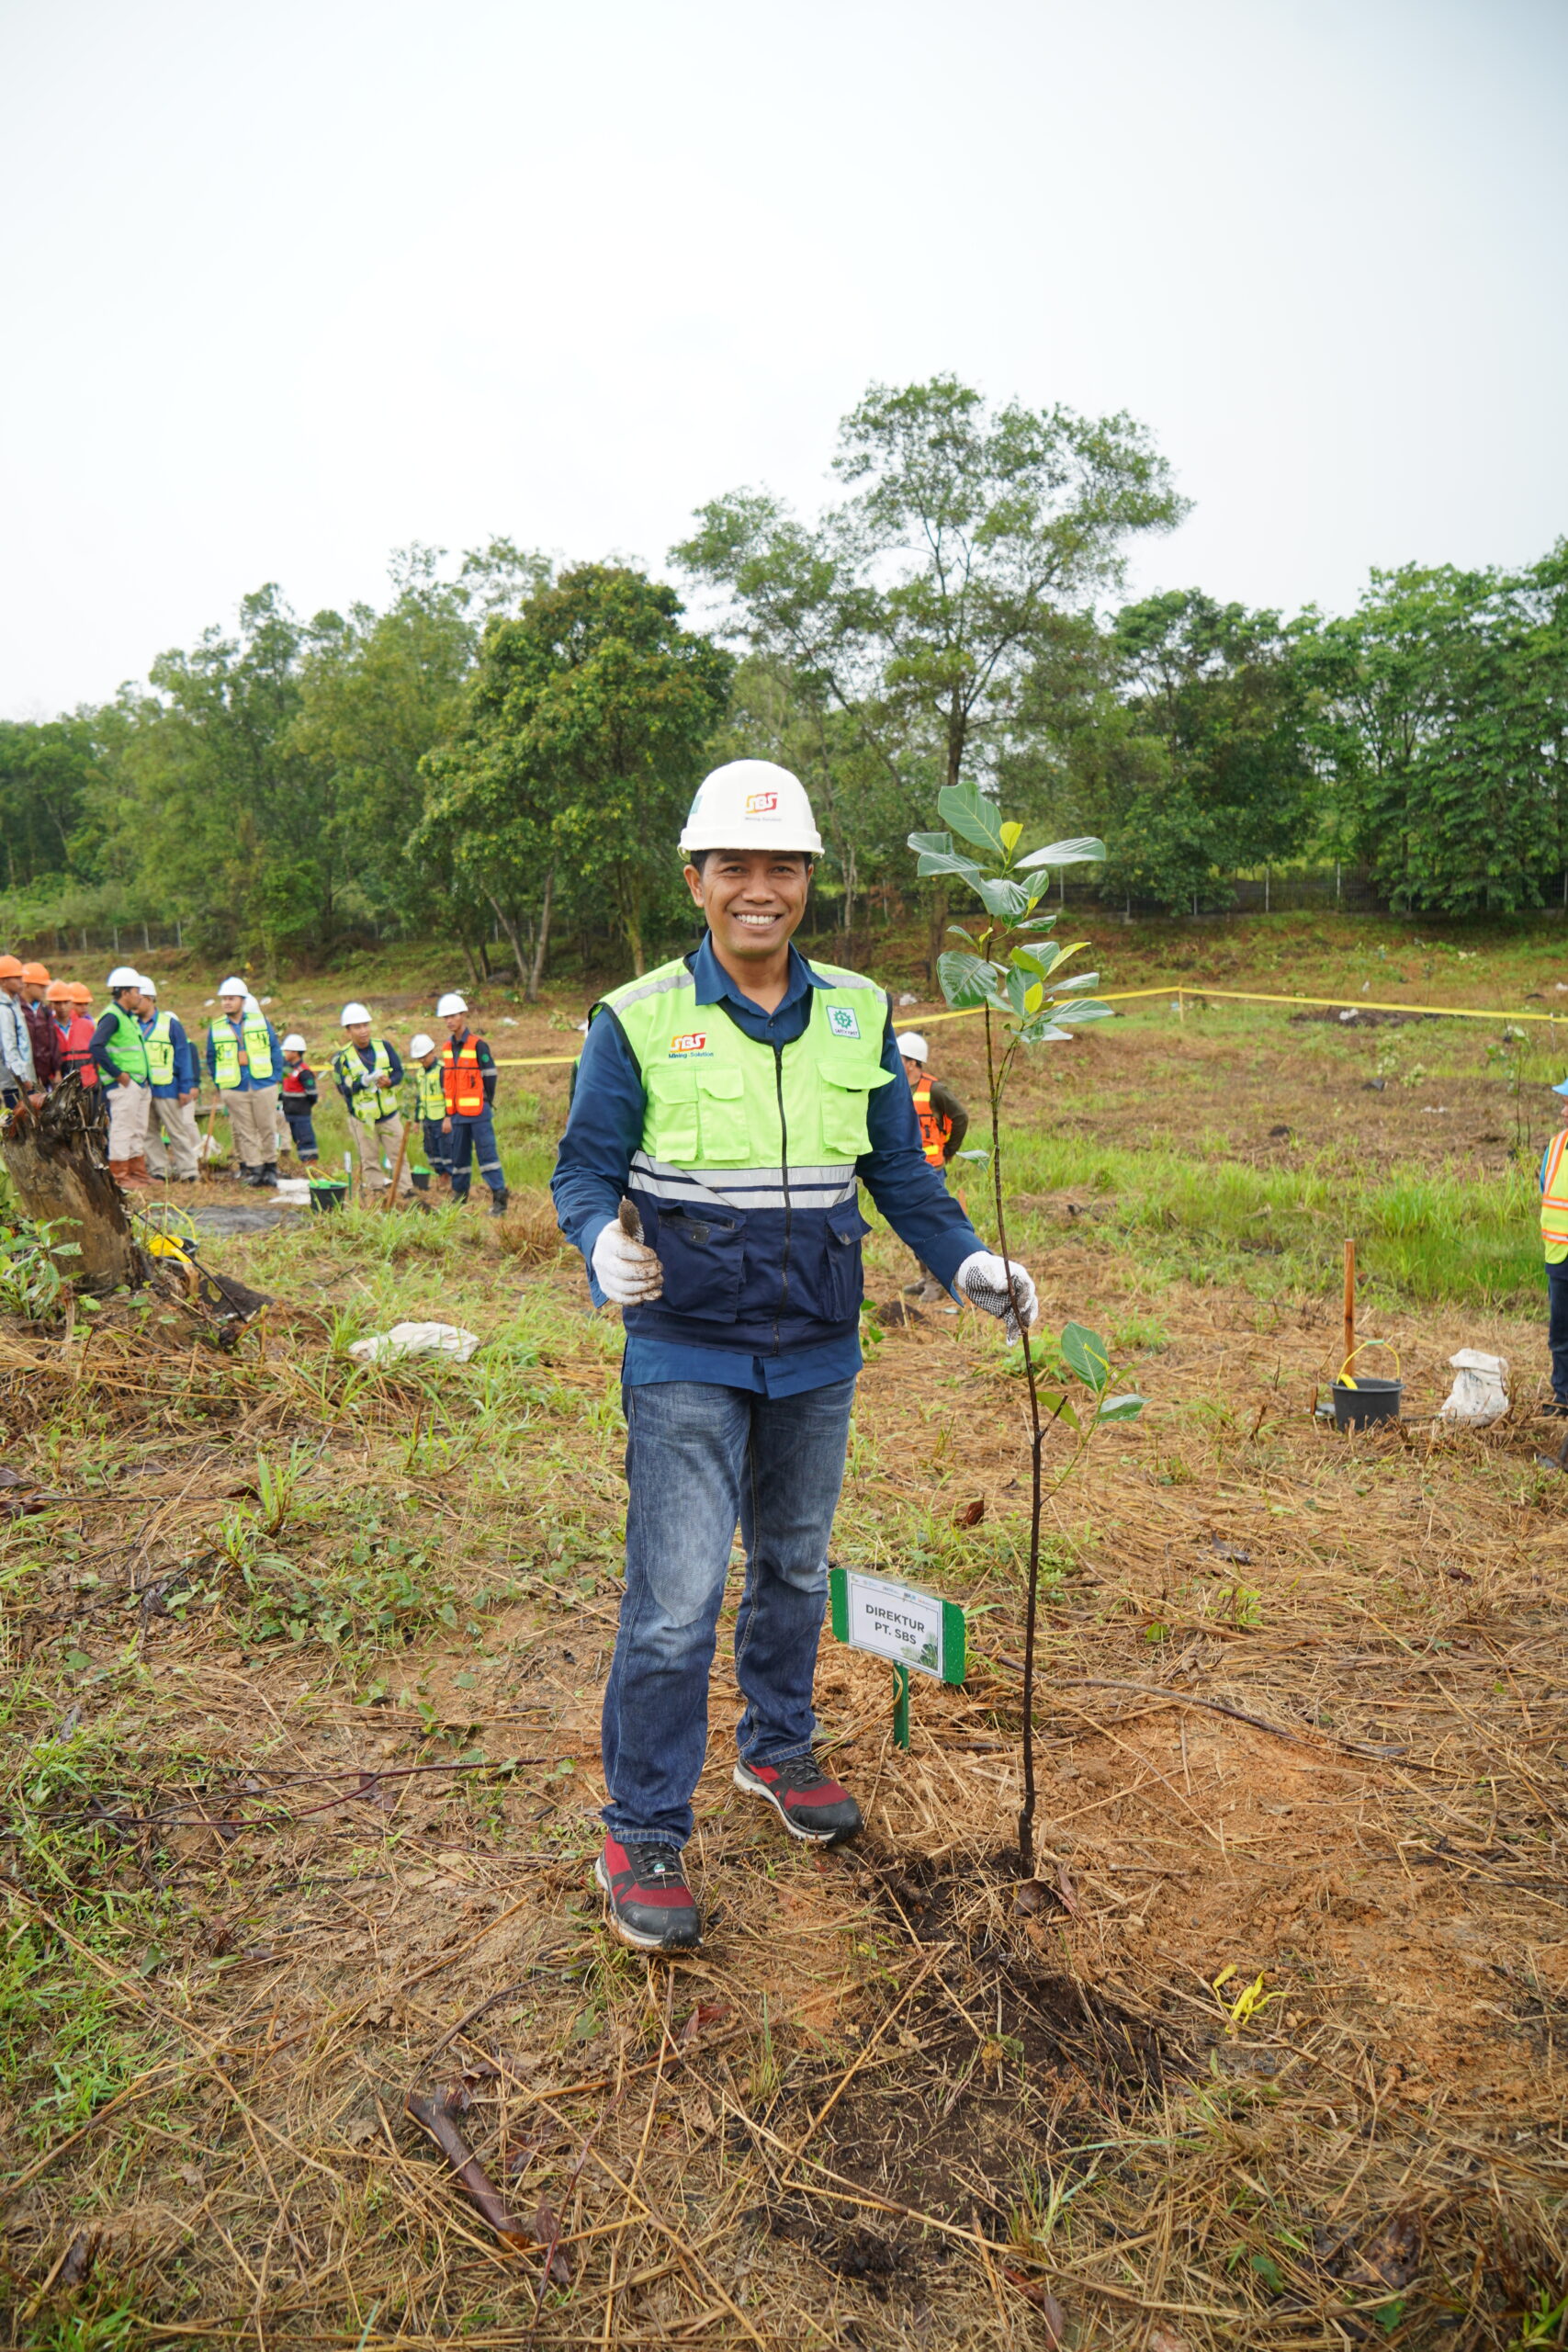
(504, 751)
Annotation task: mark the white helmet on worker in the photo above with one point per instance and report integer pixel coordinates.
(148, 988)
(751, 804)
(293, 1042)
(233, 986)
(122, 977)
(911, 1046)
(355, 1012)
(422, 1045)
(451, 1003)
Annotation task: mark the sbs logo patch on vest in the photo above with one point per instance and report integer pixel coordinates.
(695, 1041)
(841, 1021)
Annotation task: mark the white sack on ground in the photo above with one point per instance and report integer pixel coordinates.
(1480, 1393)
(417, 1339)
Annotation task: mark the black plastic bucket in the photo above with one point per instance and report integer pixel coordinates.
(421, 1179)
(1369, 1400)
(328, 1193)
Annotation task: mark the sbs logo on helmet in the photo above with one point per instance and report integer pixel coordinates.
(761, 804)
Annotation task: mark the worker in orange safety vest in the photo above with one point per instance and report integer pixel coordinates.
(945, 1122)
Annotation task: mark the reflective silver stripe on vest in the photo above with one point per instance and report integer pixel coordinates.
(743, 1188)
(623, 999)
(846, 980)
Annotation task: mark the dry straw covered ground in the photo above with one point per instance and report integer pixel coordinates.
(301, 1749)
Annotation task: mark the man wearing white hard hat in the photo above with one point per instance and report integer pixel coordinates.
(467, 1073)
(428, 1083)
(245, 1062)
(120, 1053)
(172, 1138)
(727, 1108)
(299, 1099)
(368, 1071)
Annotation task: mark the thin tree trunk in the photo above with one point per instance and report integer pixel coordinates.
(541, 942)
(510, 928)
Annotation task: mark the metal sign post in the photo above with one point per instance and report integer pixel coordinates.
(918, 1632)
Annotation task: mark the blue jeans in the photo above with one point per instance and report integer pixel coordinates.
(475, 1137)
(700, 1459)
(1557, 1328)
(301, 1128)
(437, 1146)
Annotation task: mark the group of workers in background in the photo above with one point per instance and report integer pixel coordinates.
(138, 1067)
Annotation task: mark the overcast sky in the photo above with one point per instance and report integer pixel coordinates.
(283, 287)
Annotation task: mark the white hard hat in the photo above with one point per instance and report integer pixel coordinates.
(122, 977)
(751, 804)
(233, 986)
(422, 1043)
(148, 988)
(355, 1012)
(912, 1046)
(293, 1042)
(451, 1003)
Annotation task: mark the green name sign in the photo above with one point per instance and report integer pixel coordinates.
(916, 1629)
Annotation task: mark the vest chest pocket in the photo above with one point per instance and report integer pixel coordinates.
(670, 1123)
(846, 1095)
(721, 1112)
(843, 1282)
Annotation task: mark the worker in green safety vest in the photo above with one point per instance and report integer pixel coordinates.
(368, 1071)
(173, 1137)
(245, 1062)
(120, 1051)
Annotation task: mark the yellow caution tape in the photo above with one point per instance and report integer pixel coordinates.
(1175, 990)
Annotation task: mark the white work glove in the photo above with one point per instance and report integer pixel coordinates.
(982, 1280)
(625, 1268)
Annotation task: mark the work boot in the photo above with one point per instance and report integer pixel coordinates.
(251, 1177)
(809, 1805)
(647, 1901)
(268, 1175)
(498, 1202)
(136, 1171)
(119, 1170)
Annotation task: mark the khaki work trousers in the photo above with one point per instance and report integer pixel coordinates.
(252, 1122)
(386, 1136)
(173, 1121)
(128, 1122)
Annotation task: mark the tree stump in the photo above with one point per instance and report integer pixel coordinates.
(54, 1157)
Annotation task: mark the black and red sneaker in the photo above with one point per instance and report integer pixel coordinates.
(646, 1899)
(808, 1803)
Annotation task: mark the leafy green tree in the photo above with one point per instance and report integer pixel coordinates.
(1206, 762)
(49, 775)
(587, 726)
(915, 606)
(1438, 715)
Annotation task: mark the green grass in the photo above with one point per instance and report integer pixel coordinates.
(1419, 1236)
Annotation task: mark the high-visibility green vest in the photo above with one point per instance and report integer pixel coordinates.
(159, 1045)
(430, 1091)
(127, 1048)
(717, 1100)
(226, 1043)
(371, 1094)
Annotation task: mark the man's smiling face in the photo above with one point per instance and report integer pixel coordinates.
(754, 899)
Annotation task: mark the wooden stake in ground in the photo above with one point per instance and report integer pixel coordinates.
(398, 1171)
(1350, 1301)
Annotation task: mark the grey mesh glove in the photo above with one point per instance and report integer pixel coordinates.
(982, 1279)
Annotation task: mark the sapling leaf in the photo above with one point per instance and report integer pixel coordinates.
(964, 980)
(1042, 1032)
(1084, 1352)
(1011, 836)
(1080, 1013)
(972, 816)
(1054, 1403)
(1081, 850)
(1006, 899)
(1079, 980)
(939, 842)
(1017, 990)
(1024, 959)
(1122, 1409)
(939, 861)
(981, 1156)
